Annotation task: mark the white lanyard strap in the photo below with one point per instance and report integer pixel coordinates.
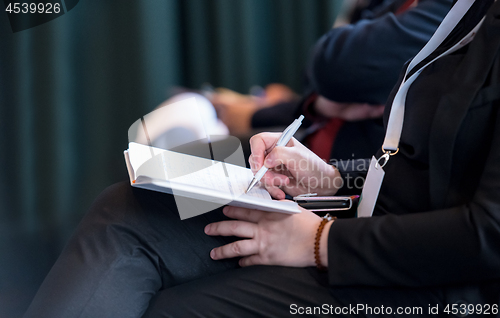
(396, 117)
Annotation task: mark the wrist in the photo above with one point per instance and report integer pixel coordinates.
(326, 108)
(323, 244)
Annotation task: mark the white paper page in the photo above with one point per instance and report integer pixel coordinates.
(197, 175)
(229, 180)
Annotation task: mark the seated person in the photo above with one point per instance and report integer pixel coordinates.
(350, 75)
(431, 246)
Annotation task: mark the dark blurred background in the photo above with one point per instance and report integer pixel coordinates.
(70, 88)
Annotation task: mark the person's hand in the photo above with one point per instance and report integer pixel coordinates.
(278, 93)
(271, 238)
(235, 110)
(293, 169)
(347, 111)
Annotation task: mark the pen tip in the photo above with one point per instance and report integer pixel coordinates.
(251, 185)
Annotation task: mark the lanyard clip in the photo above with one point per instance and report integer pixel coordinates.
(385, 157)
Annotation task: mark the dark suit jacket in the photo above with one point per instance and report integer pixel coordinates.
(437, 220)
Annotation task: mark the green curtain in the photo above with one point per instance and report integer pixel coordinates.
(70, 88)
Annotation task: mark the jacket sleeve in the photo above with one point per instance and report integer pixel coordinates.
(281, 114)
(458, 244)
(361, 62)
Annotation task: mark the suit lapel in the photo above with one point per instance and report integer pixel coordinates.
(468, 78)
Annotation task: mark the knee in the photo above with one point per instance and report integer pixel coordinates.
(115, 205)
(120, 203)
(123, 210)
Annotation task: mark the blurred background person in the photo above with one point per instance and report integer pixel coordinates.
(350, 73)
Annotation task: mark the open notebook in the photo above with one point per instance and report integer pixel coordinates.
(197, 178)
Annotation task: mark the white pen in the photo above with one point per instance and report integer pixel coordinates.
(282, 141)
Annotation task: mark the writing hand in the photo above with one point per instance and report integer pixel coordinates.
(293, 169)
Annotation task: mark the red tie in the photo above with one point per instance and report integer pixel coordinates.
(404, 6)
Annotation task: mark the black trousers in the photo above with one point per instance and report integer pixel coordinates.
(132, 256)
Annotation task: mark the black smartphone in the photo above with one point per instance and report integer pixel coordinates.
(327, 204)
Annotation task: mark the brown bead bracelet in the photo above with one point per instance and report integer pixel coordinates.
(327, 218)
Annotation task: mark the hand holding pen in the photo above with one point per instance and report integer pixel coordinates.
(292, 168)
(282, 141)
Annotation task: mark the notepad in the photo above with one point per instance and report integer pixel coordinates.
(189, 177)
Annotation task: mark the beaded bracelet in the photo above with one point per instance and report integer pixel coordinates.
(327, 218)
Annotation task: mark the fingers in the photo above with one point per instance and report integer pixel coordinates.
(273, 182)
(262, 144)
(246, 227)
(272, 178)
(243, 214)
(251, 260)
(287, 157)
(276, 192)
(255, 163)
(235, 249)
(259, 145)
(232, 228)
